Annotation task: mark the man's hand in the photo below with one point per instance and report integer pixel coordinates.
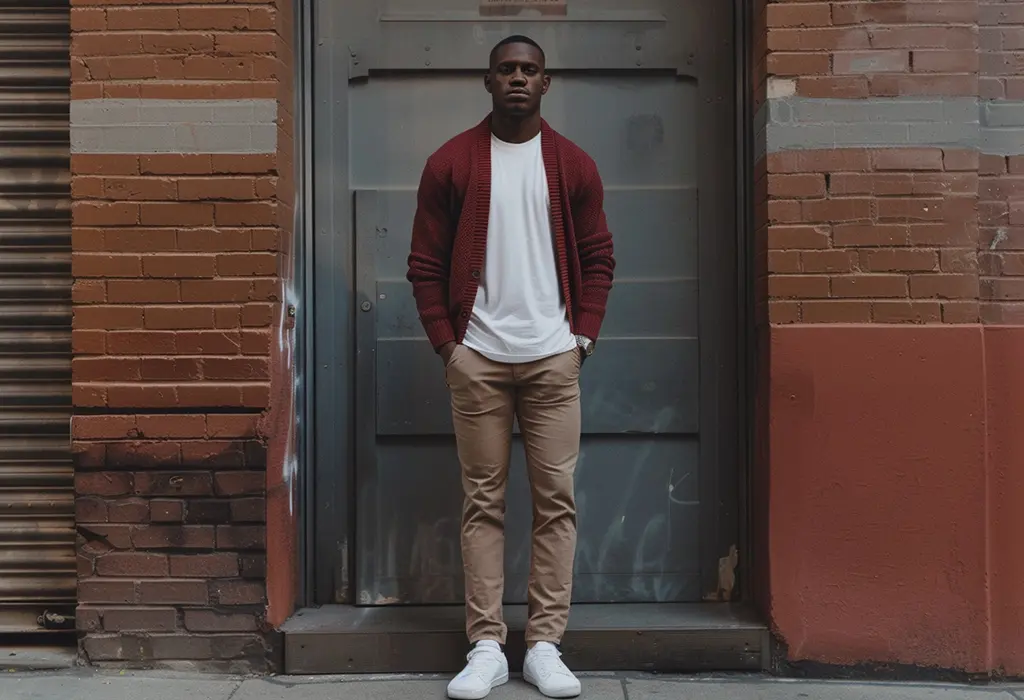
(446, 352)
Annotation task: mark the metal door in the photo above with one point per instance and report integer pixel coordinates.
(653, 517)
(37, 545)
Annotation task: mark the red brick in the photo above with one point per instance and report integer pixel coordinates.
(248, 510)
(836, 210)
(140, 342)
(820, 161)
(958, 260)
(209, 343)
(167, 512)
(90, 510)
(247, 264)
(137, 453)
(910, 209)
(802, 14)
(139, 619)
(93, 164)
(215, 18)
(174, 484)
(107, 317)
(957, 159)
(871, 183)
(102, 427)
(179, 266)
(88, 19)
(163, 369)
(817, 39)
(142, 18)
(229, 164)
(169, 164)
(238, 592)
(103, 484)
(174, 592)
(95, 590)
(145, 240)
(177, 43)
(815, 261)
(244, 43)
(142, 291)
(102, 265)
(798, 286)
(231, 368)
(133, 510)
(796, 185)
(835, 311)
(239, 483)
(212, 621)
(176, 214)
(228, 426)
(173, 426)
(218, 565)
(104, 214)
(869, 286)
(214, 240)
(906, 312)
(907, 159)
(852, 87)
(132, 564)
(174, 537)
(212, 291)
(213, 453)
(944, 286)
(245, 214)
(134, 396)
(206, 188)
(964, 61)
(89, 342)
(210, 395)
(180, 317)
(255, 342)
(257, 315)
(898, 260)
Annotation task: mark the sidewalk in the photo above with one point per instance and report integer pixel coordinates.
(83, 684)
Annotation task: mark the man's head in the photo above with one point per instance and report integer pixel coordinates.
(516, 79)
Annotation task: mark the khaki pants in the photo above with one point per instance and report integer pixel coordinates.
(545, 396)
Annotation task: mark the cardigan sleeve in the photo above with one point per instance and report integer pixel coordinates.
(595, 250)
(430, 257)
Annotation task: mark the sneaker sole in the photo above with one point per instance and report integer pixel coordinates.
(500, 680)
(565, 694)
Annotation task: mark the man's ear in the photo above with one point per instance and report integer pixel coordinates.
(545, 85)
(487, 81)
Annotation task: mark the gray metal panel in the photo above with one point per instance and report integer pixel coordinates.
(332, 292)
(641, 136)
(638, 511)
(452, 41)
(652, 136)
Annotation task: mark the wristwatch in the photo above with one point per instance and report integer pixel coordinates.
(585, 344)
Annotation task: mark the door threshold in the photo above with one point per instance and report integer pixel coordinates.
(662, 637)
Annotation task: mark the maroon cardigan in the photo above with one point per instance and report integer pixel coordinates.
(449, 234)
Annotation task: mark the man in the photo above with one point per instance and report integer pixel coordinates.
(511, 266)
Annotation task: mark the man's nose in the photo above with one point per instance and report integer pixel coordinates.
(518, 76)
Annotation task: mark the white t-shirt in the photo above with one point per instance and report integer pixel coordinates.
(519, 314)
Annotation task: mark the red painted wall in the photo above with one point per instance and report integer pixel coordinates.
(895, 470)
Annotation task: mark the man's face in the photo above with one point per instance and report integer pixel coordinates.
(516, 80)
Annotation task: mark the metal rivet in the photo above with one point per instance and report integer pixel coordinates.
(366, 306)
(291, 310)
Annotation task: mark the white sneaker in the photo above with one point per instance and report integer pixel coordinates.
(544, 669)
(487, 668)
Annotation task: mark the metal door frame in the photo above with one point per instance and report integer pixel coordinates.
(327, 517)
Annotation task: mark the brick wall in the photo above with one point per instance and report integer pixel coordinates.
(179, 256)
(893, 232)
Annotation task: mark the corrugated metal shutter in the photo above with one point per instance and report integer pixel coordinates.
(37, 542)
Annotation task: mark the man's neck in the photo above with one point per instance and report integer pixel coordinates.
(514, 129)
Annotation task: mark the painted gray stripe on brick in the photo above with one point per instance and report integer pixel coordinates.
(995, 127)
(108, 126)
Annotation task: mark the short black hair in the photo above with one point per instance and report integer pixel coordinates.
(516, 39)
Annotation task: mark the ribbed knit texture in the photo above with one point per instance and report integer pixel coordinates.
(449, 236)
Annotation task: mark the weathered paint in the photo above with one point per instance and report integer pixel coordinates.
(112, 126)
(1004, 350)
(878, 500)
(990, 126)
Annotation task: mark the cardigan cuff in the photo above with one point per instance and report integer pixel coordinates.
(589, 325)
(440, 333)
